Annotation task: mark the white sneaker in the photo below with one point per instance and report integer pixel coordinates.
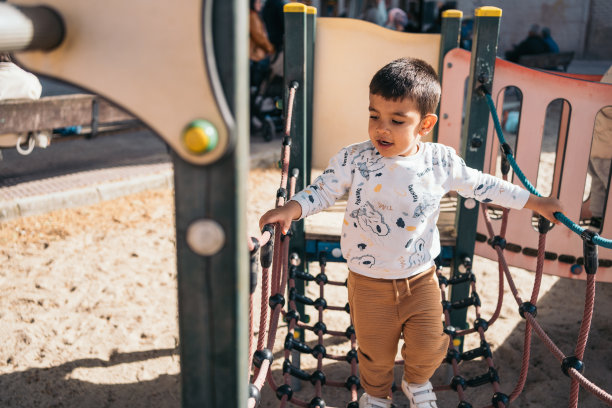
(420, 396)
(368, 401)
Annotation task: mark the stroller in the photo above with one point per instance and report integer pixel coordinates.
(266, 101)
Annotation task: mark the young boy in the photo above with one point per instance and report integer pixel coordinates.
(389, 237)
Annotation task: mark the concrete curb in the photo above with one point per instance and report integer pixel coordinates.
(78, 197)
(34, 205)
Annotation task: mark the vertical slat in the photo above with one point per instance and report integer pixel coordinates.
(451, 34)
(563, 133)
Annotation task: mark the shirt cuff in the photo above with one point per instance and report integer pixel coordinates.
(521, 199)
(300, 200)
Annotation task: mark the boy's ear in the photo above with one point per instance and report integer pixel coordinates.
(427, 123)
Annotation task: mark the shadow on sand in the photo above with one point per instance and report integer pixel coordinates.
(559, 312)
(52, 387)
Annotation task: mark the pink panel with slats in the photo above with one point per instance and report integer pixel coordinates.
(539, 89)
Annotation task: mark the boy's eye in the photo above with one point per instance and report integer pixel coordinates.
(397, 122)
(373, 117)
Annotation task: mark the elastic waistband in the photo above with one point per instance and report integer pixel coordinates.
(383, 280)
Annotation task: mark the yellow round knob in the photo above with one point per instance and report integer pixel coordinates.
(200, 136)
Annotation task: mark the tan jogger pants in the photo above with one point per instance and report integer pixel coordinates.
(383, 309)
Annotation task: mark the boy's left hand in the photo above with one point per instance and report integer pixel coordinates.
(545, 206)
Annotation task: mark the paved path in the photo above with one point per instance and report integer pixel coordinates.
(83, 172)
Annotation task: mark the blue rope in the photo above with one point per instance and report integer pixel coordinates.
(558, 215)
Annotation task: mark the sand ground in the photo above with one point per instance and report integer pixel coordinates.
(88, 314)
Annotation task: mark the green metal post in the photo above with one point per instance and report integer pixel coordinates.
(451, 34)
(474, 133)
(295, 71)
(213, 285)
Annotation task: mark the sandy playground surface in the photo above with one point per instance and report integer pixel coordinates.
(88, 314)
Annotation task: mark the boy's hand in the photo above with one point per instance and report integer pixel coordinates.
(545, 206)
(292, 210)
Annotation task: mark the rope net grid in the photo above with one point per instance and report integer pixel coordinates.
(280, 272)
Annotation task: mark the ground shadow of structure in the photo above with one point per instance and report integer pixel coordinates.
(52, 386)
(560, 313)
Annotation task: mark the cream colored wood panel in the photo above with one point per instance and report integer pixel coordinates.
(347, 54)
(146, 56)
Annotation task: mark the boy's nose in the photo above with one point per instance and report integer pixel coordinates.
(382, 130)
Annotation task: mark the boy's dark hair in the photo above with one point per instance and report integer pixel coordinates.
(409, 78)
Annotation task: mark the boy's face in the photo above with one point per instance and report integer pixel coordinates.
(395, 127)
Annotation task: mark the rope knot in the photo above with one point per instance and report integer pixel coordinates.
(571, 362)
(500, 397)
(528, 307)
(544, 225)
(589, 250)
(497, 241)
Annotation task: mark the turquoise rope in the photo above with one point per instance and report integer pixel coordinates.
(558, 215)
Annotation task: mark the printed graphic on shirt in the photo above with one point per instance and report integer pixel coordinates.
(364, 260)
(482, 190)
(418, 255)
(384, 206)
(427, 205)
(309, 193)
(345, 158)
(444, 159)
(367, 163)
(424, 172)
(439, 161)
(402, 262)
(370, 219)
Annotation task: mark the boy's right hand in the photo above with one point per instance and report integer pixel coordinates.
(284, 215)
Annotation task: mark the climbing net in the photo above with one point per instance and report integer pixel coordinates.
(279, 271)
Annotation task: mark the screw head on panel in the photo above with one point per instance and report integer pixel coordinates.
(205, 237)
(469, 203)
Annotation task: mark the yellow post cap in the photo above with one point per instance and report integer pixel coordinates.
(452, 14)
(200, 136)
(311, 10)
(294, 8)
(488, 11)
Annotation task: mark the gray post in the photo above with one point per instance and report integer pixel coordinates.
(355, 8)
(474, 133)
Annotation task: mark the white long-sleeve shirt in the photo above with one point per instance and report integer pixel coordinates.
(389, 229)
